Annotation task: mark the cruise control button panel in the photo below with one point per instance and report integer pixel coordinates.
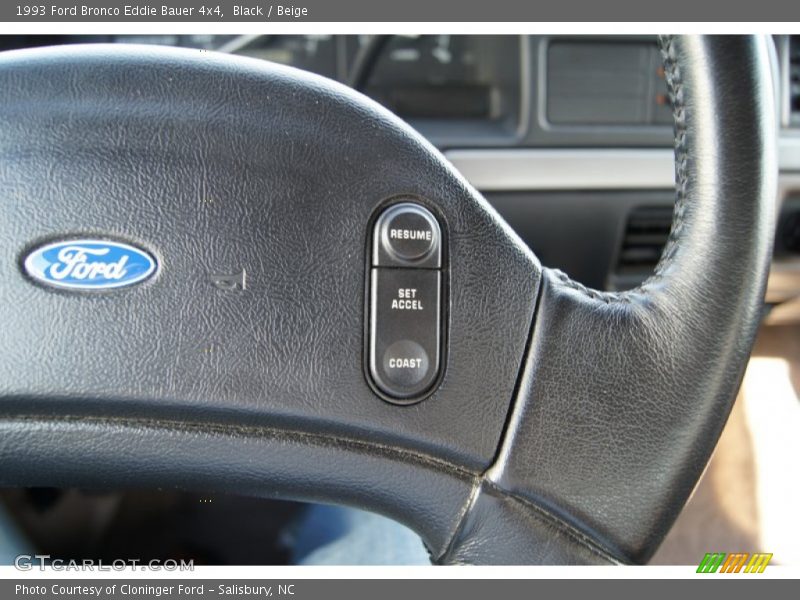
(405, 304)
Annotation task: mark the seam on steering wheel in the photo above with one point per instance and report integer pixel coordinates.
(461, 520)
(536, 512)
(547, 517)
(672, 74)
(674, 80)
(575, 534)
(254, 431)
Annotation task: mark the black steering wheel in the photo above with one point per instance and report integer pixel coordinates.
(219, 274)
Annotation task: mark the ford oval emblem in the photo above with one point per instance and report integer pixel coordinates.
(89, 264)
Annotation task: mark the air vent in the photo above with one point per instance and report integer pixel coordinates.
(794, 78)
(646, 233)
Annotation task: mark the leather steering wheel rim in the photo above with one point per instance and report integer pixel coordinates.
(569, 425)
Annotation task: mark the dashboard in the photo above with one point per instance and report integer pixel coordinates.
(569, 137)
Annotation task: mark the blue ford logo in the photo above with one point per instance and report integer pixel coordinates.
(89, 265)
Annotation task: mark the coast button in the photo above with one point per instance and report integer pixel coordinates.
(405, 363)
(407, 235)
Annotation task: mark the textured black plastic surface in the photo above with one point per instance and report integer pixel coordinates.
(216, 165)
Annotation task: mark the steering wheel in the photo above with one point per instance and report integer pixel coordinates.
(219, 274)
